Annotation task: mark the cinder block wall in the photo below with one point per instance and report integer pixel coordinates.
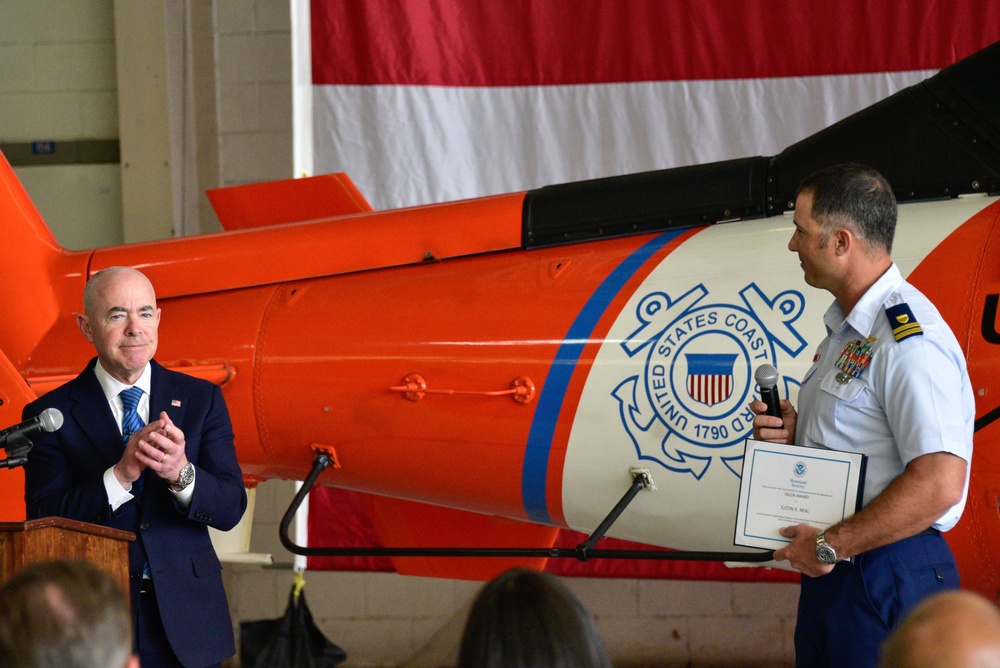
(58, 84)
(57, 70)
(254, 81)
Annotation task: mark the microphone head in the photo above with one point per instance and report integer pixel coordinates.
(50, 419)
(766, 376)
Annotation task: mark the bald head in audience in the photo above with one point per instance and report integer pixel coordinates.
(956, 629)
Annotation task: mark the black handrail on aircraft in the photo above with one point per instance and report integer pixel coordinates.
(582, 552)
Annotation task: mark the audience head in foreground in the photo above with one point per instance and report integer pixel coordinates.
(956, 629)
(524, 619)
(64, 614)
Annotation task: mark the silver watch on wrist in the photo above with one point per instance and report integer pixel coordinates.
(184, 479)
(824, 551)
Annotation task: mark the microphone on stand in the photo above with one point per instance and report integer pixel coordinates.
(15, 439)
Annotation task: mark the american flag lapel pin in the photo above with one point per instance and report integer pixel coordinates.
(176, 403)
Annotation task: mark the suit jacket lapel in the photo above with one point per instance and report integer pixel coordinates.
(91, 410)
(162, 391)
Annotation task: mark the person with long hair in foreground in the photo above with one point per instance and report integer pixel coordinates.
(528, 619)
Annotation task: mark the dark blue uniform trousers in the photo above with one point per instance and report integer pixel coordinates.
(844, 616)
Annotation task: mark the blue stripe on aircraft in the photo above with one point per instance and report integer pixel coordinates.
(536, 456)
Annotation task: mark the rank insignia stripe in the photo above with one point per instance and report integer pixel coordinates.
(903, 324)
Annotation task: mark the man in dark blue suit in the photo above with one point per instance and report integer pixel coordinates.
(157, 460)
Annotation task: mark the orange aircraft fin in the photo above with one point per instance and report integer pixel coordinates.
(401, 523)
(287, 201)
(39, 274)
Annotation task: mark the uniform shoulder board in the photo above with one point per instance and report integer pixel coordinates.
(903, 324)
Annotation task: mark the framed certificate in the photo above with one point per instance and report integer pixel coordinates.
(784, 485)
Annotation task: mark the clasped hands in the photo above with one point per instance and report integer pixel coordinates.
(159, 446)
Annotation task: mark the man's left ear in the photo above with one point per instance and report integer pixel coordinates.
(843, 240)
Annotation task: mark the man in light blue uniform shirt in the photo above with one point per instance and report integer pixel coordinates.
(889, 381)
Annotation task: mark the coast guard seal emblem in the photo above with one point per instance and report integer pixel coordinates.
(689, 404)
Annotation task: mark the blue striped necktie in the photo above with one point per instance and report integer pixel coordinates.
(131, 422)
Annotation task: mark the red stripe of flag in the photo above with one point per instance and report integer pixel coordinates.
(558, 42)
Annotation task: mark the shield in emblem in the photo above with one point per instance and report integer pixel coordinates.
(710, 377)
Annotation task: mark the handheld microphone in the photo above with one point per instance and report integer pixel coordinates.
(767, 379)
(48, 420)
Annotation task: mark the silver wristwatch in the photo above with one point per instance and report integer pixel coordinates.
(186, 478)
(824, 551)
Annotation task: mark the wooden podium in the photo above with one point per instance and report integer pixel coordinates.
(22, 543)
